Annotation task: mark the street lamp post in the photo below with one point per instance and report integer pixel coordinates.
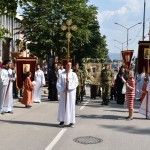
(122, 42)
(127, 30)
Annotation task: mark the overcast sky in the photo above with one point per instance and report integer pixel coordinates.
(126, 13)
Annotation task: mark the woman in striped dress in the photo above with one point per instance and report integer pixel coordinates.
(130, 93)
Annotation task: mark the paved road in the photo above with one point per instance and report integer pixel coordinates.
(37, 128)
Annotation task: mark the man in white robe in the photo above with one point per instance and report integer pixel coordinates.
(8, 105)
(66, 111)
(39, 83)
(4, 87)
(146, 103)
(139, 84)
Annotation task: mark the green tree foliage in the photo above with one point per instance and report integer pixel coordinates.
(8, 7)
(3, 31)
(42, 26)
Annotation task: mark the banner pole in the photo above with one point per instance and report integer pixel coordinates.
(146, 104)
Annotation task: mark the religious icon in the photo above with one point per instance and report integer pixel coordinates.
(146, 53)
(127, 58)
(26, 68)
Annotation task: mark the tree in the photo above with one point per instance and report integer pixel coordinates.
(42, 25)
(9, 7)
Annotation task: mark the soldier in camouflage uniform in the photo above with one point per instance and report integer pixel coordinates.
(79, 95)
(83, 86)
(93, 86)
(107, 80)
(97, 76)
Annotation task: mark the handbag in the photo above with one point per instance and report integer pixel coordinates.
(124, 89)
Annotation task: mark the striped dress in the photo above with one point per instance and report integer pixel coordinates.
(130, 93)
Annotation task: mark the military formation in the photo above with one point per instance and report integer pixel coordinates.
(100, 78)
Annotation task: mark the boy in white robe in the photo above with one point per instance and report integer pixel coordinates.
(4, 86)
(39, 83)
(8, 105)
(66, 111)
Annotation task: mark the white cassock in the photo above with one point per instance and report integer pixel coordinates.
(4, 82)
(142, 109)
(139, 84)
(40, 81)
(67, 113)
(60, 71)
(8, 104)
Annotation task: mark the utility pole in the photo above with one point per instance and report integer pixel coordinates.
(144, 21)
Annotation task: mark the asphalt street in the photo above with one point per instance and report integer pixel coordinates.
(97, 127)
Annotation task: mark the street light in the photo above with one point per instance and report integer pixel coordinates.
(122, 42)
(127, 30)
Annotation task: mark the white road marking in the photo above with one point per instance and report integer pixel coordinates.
(59, 135)
(56, 139)
(81, 108)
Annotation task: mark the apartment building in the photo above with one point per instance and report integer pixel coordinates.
(11, 24)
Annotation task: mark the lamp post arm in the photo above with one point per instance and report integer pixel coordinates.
(121, 25)
(134, 25)
(118, 41)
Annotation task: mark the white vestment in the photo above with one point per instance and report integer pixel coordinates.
(8, 104)
(4, 82)
(139, 84)
(142, 109)
(66, 111)
(60, 71)
(40, 81)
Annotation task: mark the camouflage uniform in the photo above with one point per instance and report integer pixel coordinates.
(93, 86)
(84, 77)
(97, 81)
(106, 81)
(79, 96)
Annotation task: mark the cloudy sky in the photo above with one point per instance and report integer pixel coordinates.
(127, 13)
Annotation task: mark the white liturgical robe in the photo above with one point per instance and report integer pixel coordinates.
(4, 82)
(139, 84)
(66, 111)
(142, 109)
(8, 103)
(39, 82)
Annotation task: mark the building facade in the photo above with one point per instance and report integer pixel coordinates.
(12, 24)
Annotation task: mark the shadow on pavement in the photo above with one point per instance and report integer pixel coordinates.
(128, 129)
(100, 117)
(30, 123)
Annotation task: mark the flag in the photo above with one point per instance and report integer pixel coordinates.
(133, 59)
(127, 57)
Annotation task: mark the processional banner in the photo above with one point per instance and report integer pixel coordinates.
(52, 59)
(143, 60)
(23, 65)
(127, 57)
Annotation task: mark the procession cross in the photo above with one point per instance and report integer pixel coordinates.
(68, 27)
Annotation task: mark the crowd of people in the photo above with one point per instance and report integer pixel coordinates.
(120, 84)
